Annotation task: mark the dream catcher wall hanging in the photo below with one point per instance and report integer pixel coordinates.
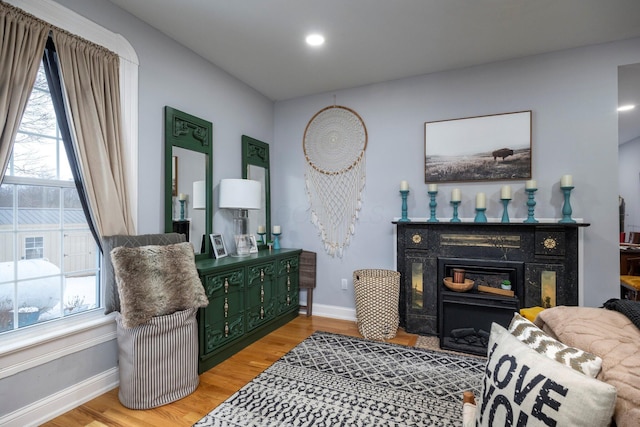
(334, 145)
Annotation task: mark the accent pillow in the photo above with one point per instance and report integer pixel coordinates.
(156, 281)
(523, 387)
(580, 360)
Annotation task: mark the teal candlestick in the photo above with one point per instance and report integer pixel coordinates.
(432, 206)
(531, 204)
(262, 240)
(566, 208)
(480, 216)
(404, 194)
(276, 241)
(505, 212)
(181, 210)
(455, 211)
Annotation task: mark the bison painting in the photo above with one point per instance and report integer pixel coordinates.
(503, 152)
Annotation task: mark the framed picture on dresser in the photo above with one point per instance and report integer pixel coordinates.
(217, 243)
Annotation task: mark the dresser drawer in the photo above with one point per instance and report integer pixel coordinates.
(221, 283)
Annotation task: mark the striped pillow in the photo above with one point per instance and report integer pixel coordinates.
(580, 360)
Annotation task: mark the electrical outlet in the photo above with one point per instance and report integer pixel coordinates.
(344, 284)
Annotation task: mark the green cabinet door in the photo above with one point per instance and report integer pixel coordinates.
(224, 316)
(260, 294)
(287, 298)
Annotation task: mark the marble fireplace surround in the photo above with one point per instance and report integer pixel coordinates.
(545, 254)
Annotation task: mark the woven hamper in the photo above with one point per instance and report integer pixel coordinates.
(377, 293)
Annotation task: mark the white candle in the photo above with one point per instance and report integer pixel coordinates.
(404, 186)
(455, 195)
(182, 196)
(530, 184)
(276, 229)
(261, 229)
(481, 202)
(505, 192)
(566, 181)
(433, 187)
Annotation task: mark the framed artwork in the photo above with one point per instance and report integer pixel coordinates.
(253, 247)
(219, 248)
(483, 148)
(174, 176)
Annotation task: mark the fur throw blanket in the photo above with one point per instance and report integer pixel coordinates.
(155, 281)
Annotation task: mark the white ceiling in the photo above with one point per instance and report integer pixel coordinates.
(261, 42)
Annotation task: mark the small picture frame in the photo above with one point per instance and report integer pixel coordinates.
(253, 248)
(219, 248)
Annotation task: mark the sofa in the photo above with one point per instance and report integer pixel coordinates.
(613, 334)
(571, 366)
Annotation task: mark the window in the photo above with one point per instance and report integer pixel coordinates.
(49, 260)
(33, 247)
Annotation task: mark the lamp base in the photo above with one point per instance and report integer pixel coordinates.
(243, 245)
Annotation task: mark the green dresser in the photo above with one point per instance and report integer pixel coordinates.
(248, 298)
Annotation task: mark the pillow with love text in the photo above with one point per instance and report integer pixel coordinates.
(523, 387)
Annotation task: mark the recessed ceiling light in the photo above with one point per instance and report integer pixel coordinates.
(626, 107)
(315, 40)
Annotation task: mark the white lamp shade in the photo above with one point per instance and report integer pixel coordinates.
(240, 194)
(199, 200)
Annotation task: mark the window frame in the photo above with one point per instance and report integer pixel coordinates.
(25, 349)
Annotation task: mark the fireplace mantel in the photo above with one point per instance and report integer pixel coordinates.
(547, 251)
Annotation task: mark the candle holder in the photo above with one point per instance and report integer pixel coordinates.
(276, 240)
(531, 204)
(181, 210)
(480, 216)
(566, 208)
(432, 206)
(404, 194)
(505, 212)
(455, 211)
(262, 241)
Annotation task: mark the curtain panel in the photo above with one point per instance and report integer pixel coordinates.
(22, 41)
(92, 85)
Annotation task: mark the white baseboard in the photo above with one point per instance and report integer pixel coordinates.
(334, 312)
(63, 401)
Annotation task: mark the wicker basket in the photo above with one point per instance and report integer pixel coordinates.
(377, 293)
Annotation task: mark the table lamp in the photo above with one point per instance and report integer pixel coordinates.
(240, 195)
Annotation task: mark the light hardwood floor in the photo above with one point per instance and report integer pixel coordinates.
(216, 385)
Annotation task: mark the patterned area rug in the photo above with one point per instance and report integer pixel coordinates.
(336, 380)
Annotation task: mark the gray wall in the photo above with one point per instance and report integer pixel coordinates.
(573, 95)
(170, 75)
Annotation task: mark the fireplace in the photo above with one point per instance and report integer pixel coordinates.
(466, 320)
(540, 260)
(465, 317)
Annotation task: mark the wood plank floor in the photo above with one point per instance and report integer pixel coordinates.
(216, 385)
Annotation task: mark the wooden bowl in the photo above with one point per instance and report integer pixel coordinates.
(458, 287)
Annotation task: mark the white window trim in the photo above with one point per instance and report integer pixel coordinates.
(25, 349)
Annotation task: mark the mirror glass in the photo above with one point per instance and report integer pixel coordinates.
(258, 217)
(255, 166)
(629, 150)
(191, 167)
(188, 178)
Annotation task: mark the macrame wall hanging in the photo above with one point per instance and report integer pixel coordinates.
(334, 145)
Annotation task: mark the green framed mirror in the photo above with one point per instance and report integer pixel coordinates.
(188, 183)
(255, 166)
